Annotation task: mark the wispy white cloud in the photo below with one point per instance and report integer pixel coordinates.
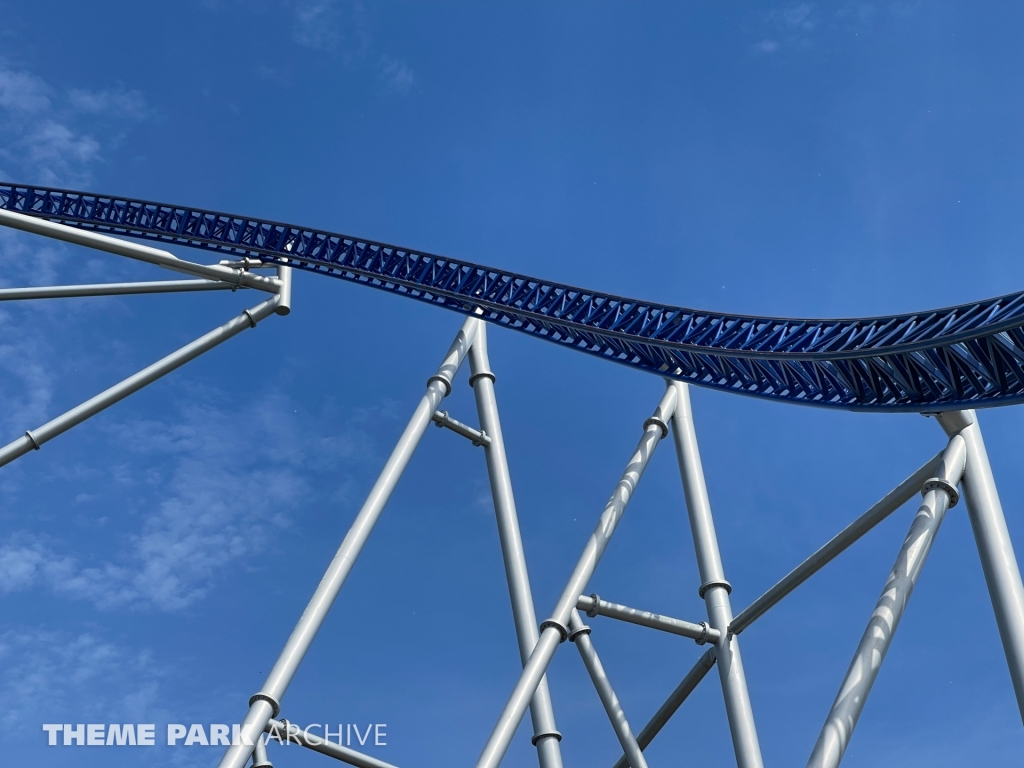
(221, 488)
(23, 92)
(317, 24)
(798, 17)
(807, 25)
(47, 135)
(110, 102)
(397, 75)
(344, 26)
(55, 673)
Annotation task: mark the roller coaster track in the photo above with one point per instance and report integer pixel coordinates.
(958, 357)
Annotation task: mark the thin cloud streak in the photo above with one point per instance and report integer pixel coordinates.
(48, 136)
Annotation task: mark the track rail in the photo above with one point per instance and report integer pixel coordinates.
(965, 356)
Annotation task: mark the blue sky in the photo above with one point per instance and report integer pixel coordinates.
(790, 159)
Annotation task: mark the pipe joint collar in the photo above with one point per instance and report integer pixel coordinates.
(481, 375)
(709, 584)
(654, 420)
(443, 380)
(269, 699)
(546, 735)
(583, 629)
(939, 484)
(703, 634)
(561, 629)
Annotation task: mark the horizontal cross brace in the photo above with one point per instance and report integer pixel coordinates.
(135, 251)
(112, 289)
(477, 436)
(595, 606)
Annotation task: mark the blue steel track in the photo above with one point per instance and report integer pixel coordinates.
(958, 357)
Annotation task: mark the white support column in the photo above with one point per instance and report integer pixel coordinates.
(994, 545)
(545, 734)
(714, 587)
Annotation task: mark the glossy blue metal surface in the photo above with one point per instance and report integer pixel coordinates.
(959, 357)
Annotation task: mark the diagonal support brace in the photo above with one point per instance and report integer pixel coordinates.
(554, 630)
(938, 494)
(579, 633)
(839, 543)
(672, 703)
(34, 439)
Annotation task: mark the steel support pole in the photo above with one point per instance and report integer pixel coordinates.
(35, 438)
(545, 733)
(672, 703)
(259, 754)
(112, 289)
(939, 494)
(593, 605)
(554, 630)
(266, 704)
(714, 588)
(579, 633)
(38, 226)
(994, 545)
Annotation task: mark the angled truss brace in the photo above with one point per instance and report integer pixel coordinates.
(211, 278)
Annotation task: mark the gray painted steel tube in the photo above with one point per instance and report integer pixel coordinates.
(259, 755)
(293, 733)
(998, 560)
(672, 703)
(700, 632)
(555, 629)
(853, 694)
(580, 635)
(35, 438)
(476, 436)
(112, 289)
(714, 588)
(545, 733)
(892, 501)
(260, 708)
(135, 251)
